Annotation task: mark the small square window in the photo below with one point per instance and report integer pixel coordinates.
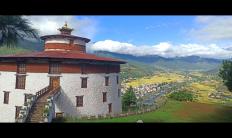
(6, 97)
(83, 82)
(104, 96)
(107, 81)
(20, 81)
(79, 101)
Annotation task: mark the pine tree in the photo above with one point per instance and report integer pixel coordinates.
(226, 73)
(129, 98)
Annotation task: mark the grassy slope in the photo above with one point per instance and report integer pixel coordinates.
(175, 111)
(5, 51)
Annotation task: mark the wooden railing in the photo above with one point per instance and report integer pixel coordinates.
(32, 100)
(42, 91)
(49, 110)
(54, 91)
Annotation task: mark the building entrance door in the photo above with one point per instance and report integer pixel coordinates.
(54, 82)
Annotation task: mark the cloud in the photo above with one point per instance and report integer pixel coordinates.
(165, 49)
(47, 25)
(212, 28)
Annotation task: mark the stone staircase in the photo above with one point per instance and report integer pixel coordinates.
(37, 110)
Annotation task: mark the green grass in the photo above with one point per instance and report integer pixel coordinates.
(173, 111)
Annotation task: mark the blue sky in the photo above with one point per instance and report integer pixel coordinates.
(167, 36)
(143, 30)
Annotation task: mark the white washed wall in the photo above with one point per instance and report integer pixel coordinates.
(34, 83)
(66, 102)
(93, 97)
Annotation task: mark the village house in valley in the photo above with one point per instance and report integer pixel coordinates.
(62, 80)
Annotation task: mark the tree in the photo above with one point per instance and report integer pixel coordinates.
(13, 28)
(129, 98)
(225, 73)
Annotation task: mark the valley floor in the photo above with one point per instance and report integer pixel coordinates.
(174, 111)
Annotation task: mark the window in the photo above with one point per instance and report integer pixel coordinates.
(21, 68)
(83, 69)
(59, 114)
(104, 96)
(83, 82)
(26, 96)
(17, 109)
(107, 81)
(71, 42)
(110, 107)
(6, 97)
(79, 101)
(117, 79)
(20, 81)
(107, 69)
(119, 92)
(54, 68)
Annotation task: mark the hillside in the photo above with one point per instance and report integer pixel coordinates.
(5, 51)
(190, 63)
(23, 46)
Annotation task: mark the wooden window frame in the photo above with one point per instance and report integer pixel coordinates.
(83, 69)
(71, 42)
(17, 108)
(107, 80)
(26, 97)
(79, 103)
(21, 68)
(6, 97)
(59, 114)
(20, 82)
(54, 68)
(110, 107)
(107, 69)
(84, 85)
(104, 97)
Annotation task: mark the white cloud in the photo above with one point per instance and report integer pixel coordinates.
(164, 49)
(213, 28)
(47, 25)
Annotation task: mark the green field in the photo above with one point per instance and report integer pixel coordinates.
(160, 78)
(175, 111)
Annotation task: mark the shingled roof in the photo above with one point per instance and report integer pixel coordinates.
(63, 55)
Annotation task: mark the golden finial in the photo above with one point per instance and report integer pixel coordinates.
(65, 25)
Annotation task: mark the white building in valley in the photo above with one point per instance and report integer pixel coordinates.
(78, 83)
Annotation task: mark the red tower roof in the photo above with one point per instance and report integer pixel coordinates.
(60, 49)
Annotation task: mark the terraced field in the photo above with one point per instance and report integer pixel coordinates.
(202, 90)
(168, 77)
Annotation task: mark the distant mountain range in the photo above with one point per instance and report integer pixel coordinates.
(189, 63)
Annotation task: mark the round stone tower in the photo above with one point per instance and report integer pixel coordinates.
(65, 41)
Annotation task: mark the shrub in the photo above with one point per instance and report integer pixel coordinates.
(182, 96)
